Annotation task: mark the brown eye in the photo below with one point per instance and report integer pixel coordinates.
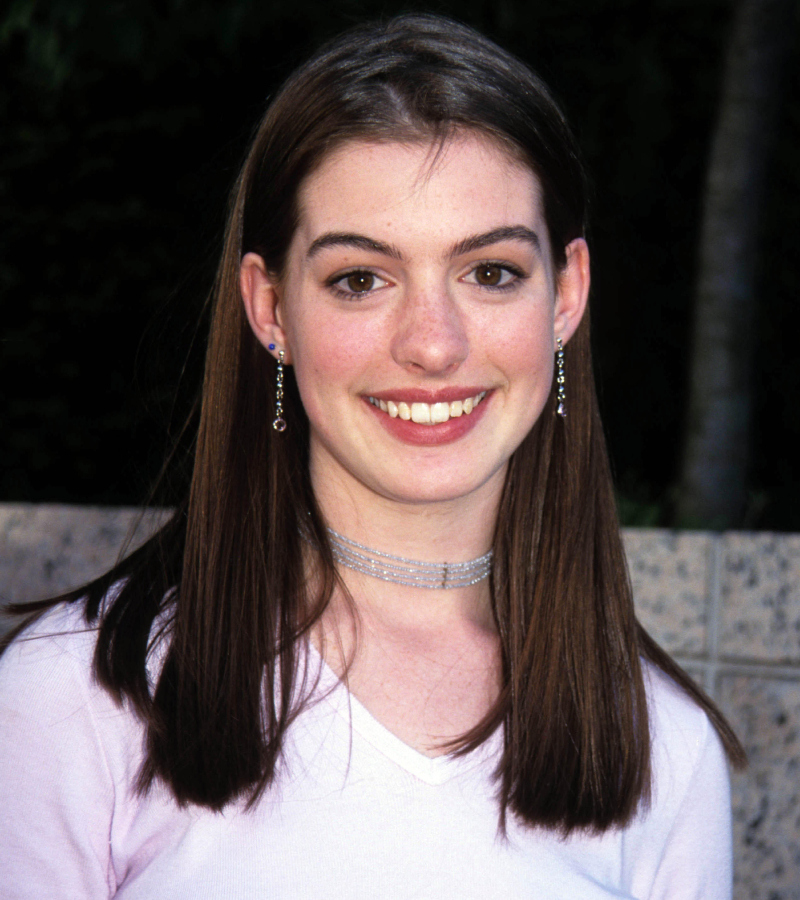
(489, 276)
(360, 282)
(356, 284)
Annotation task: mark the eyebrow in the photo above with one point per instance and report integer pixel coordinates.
(346, 239)
(467, 245)
(495, 236)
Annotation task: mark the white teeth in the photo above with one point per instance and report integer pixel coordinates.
(429, 413)
(440, 412)
(421, 413)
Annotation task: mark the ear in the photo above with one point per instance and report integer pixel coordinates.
(261, 297)
(572, 289)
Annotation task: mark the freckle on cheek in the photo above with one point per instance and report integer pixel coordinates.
(338, 355)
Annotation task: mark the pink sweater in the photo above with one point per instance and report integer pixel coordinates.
(355, 813)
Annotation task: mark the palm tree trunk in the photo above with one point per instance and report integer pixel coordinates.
(713, 480)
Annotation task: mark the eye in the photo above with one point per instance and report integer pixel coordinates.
(494, 275)
(355, 283)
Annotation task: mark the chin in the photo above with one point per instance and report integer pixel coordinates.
(436, 488)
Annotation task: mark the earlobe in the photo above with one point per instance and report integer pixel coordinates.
(261, 298)
(573, 289)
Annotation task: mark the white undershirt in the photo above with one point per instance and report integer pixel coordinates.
(355, 813)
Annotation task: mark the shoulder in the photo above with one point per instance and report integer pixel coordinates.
(680, 843)
(674, 714)
(53, 714)
(54, 651)
(68, 758)
(691, 784)
(681, 732)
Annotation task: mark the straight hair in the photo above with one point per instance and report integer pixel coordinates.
(225, 581)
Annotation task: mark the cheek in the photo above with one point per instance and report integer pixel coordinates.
(333, 344)
(529, 366)
(326, 358)
(528, 348)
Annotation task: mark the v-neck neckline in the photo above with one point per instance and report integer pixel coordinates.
(433, 770)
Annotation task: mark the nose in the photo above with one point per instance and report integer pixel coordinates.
(430, 337)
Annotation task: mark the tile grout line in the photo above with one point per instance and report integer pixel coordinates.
(786, 672)
(713, 609)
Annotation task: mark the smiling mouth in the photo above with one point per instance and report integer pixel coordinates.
(428, 413)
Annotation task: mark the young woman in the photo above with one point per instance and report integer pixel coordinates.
(387, 646)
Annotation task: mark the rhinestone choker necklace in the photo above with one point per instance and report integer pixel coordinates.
(409, 572)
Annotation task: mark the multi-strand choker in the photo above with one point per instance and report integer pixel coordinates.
(409, 572)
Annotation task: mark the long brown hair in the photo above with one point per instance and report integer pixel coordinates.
(225, 578)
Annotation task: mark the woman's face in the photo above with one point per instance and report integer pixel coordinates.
(419, 307)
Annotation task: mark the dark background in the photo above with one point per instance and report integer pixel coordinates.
(122, 125)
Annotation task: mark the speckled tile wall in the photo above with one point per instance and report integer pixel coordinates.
(670, 578)
(760, 594)
(726, 606)
(766, 714)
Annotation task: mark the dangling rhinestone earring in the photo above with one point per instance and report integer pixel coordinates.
(279, 423)
(561, 396)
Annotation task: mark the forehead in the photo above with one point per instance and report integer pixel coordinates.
(468, 181)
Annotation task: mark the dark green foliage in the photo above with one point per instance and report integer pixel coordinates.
(121, 128)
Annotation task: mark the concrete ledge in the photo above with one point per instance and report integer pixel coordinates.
(727, 606)
(47, 550)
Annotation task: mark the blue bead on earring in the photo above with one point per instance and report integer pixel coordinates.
(271, 347)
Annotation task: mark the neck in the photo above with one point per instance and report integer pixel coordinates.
(452, 532)
(455, 531)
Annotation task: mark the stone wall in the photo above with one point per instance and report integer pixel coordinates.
(727, 606)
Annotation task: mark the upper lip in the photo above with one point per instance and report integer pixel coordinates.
(422, 395)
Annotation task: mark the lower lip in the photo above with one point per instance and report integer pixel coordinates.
(430, 435)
